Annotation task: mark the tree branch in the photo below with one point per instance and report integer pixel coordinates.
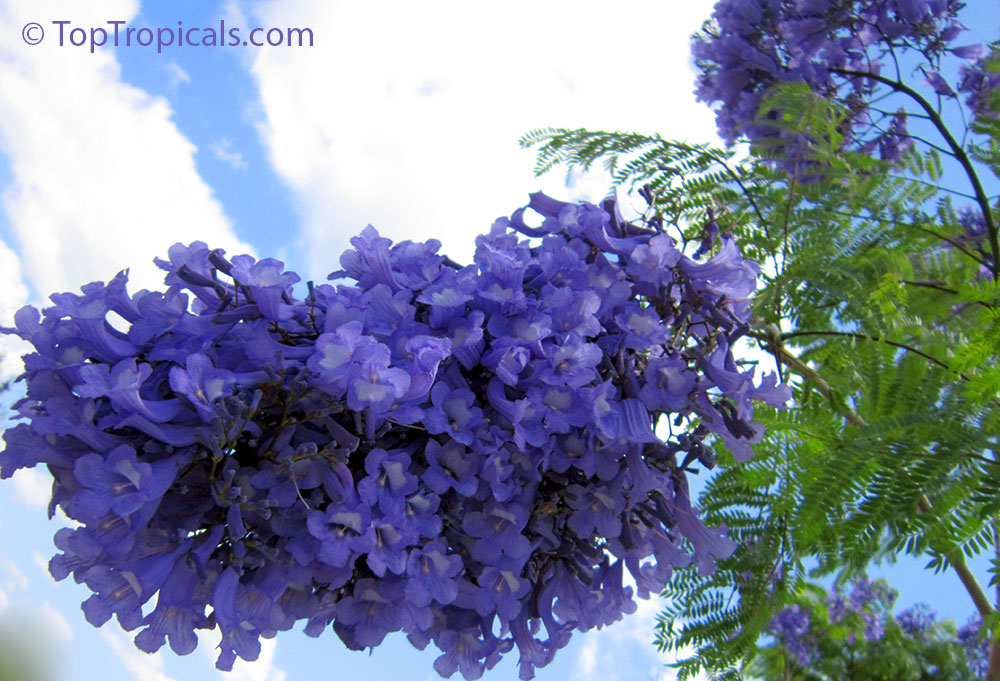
(875, 339)
(958, 149)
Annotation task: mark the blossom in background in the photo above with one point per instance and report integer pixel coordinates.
(840, 50)
(853, 634)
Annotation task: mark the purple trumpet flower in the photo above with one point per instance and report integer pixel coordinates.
(451, 452)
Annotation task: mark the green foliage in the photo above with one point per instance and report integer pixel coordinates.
(874, 299)
(837, 648)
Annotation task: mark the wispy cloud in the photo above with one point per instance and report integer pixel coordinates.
(224, 152)
(54, 623)
(13, 296)
(14, 578)
(142, 666)
(261, 669)
(34, 639)
(631, 638)
(586, 663)
(40, 561)
(176, 75)
(603, 652)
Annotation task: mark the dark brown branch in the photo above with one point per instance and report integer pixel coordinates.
(875, 339)
(958, 149)
(951, 242)
(954, 244)
(936, 285)
(746, 192)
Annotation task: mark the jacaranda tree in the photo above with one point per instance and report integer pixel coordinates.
(463, 453)
(869, 197)
(851, 634)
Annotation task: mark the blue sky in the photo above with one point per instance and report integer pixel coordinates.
(404, 115)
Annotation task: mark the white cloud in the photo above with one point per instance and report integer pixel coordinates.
(600, 657)
(32, 487)
(54, 624)
(4, 601)
(208, 642)
(142, 666)
(261, 669)
(176, 75)
(102, 177)
(586, 662)
(14, 579)
(407, 115)
(224, 152)
(631, 638)
(13, 296)
(40, 561)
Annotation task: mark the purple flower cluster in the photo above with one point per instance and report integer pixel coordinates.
(974, 238)
(977, 646)
(791, 627)
(464, 454)
(867, 597)
(866, 609)
(981, 85)
(866, 604)
(753, 45)
(917, 621)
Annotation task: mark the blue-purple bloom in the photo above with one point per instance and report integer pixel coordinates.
(751, 46)
(453, 413)
(451, 466)
(976, 644)
(121, 483)
(916, 621)
(431, 572)
(451, 452)
(344, 532)
(202, 384)
(267, 282)
(791, 626)
(865, 613)
(388, 481)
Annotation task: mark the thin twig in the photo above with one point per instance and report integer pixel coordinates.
(933, 185)
(958, 149)
(876, 339)
(772, 334)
